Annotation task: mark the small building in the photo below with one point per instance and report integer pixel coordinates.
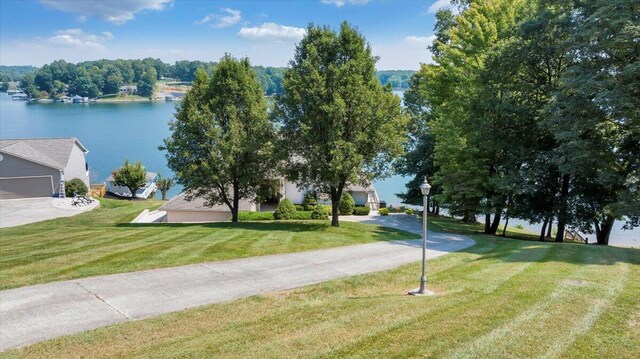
(179, 210)
(79, 99)
(128, 89)
(35, 167)
(20, 96)
(65, 99)
(147, 191)
(362, 195)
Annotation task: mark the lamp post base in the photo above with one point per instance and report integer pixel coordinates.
(416, 292)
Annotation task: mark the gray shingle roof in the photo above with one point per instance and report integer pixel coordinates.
(179, 203)
(51, 152)
(359, 188)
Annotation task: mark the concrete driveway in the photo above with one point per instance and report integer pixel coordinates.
(15, 212)
(35, 313)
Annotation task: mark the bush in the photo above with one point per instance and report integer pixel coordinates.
(409, 211)
(361, 211)
(320, 212)
(285, 210)
(304, 215)
(309, 202)
(299, 207)
(347, 204)
(76, 186)
(383, 212)
(518, 226)
(255, 216)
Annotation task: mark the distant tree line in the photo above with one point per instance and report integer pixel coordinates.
(15, 73)
(104, 77)
(531, 110)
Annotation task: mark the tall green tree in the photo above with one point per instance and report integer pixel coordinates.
(221, 142)
(338, 124)
(147, 82)
(596, 113)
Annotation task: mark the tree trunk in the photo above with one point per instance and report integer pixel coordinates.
(236, 201)
(164, 195)
(469, 218)
(549, 229)
(133, 192)
(506, 223)
(496, 221)
(487, 223)
(336, 194)
(562, 213)
(544, 227)
(603, 233)
(437, 210)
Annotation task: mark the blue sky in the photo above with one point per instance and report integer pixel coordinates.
(38, 32)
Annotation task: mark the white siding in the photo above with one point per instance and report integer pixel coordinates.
(292, 192)
(76, 167)
(359, 197)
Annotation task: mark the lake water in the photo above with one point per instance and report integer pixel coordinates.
(114, 132)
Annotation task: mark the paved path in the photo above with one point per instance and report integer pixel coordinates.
(32, 314)
(16, 212)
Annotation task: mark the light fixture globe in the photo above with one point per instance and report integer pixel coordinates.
(425, 187)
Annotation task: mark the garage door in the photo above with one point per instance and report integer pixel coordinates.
(25, 187)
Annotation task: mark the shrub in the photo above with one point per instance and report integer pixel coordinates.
(255, 216)
(519, 226)
(299, 207)
(347, 204)
(383, 212)
(304, 215)
(320, 212)
(409, 211)
(285, 210)
(75, 186)
(309, 202)
(361, 211)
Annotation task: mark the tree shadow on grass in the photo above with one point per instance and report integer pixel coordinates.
(517, 250)
(380, 233)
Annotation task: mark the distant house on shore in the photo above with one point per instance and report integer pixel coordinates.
(128, 90)
(149, 188)
(36, 167)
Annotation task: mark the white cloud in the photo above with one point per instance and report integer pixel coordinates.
(439, 5)
(117, 12)
(81, 19)
(229, 17)
(340, 3)
(420, 41)
(78, 38)
(406, 54)
(270, 31)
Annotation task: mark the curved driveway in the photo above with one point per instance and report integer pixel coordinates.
(32, 314)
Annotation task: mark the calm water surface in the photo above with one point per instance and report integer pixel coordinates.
(115, 132)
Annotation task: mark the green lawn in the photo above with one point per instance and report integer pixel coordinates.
(501, 298)
(103, 242)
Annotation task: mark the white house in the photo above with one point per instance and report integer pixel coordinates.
(149, 188)
(128, 89)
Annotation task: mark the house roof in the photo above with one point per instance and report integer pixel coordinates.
(179, 203)
(359, 188)
(150, 176)
(50, 152)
